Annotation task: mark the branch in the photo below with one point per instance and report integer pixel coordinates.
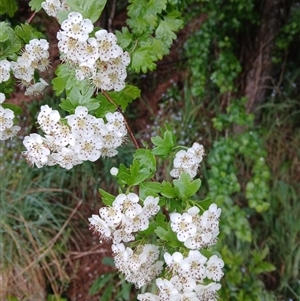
(31, 18)
(126, 123)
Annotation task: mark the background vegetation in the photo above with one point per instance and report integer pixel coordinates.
(231, 82)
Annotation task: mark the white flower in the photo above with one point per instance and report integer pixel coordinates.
(88, 148)
(9, 132)
(48, 119)
(194, 265)
(183, 225)
(108, 47)
(37, 88)
(128, 204)
(111, 216)
(208, 292)
(37, 150)
(22, 70)
(66, 158)
(76, 27)
(100, 226)
(151, 206)
(148, 297)
(52, 7)
(81, 123)
(4, 70)
(6, 118)
(214, 268)
(167, 290)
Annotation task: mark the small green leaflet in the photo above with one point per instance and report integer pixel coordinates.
(90, 9)
(163, 145)
(169, 191)
(142, 59)
(106, 197)
(124, 38)
(78, 97)
(5, 31)
(146, 158)
(8, 7)
(36, 5)
(167, 28)
(168, 236)
(26, 32)
(101, 282)
(186, 186)
(149, 188)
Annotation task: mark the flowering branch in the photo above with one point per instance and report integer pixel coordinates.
(125, 121)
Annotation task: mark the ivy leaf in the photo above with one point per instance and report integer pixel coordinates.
(26, 32)
(106, 197)
(163, 145)
(8, 7)
(186, 186)
(142, 59)
(90, 9)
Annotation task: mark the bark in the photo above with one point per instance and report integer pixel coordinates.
(258, 57)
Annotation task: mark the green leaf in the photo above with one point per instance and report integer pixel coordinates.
(108, 261)
(168, 236)
(16, 109)
(124, 38)
(163, 145)
(186, 186)
(142, 60)
(90, 9)
(9, 42)
(8, 7)
(168, 26)
(135, 174)
(146, 158)
(149, 188)
(106, 197)
(100, 283)
(264, 267)
(169, 191)
(26, 32)
(4, 31)
(107, 294)
(126, 96)
(104, 107)
(35, 5)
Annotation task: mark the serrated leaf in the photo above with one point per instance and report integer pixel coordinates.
(104, 106)
(4, 31)
(133, 175)
(168, 26)
(8, 7)
(35, 5)
(163, 145)
(10, 43)
(146, 158)
(106, 197)
(125, 96)
(142, 60)
(26, 32)
(186, 186)
(169, 191)
(149, 188)
(124, 38)
(168, 236)
(263, 267)
(90, 9)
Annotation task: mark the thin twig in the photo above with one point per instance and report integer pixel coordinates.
(126, 123)
(31, 18)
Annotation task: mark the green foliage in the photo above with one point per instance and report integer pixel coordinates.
(91, 9)
(153, 25)
(35, 5)
(163, 146)
(26, 33)
(8, 7)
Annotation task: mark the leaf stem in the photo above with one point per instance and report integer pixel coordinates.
(126, 123)
(31, 18)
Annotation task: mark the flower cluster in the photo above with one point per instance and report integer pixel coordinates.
(81, 137)
(119, 222)
(187, 161)
(7, 127)
(125, 217)
(192, 278)
(52, 7)
(98, 58)
(140, 266)
(34, 57)
(194, 230)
